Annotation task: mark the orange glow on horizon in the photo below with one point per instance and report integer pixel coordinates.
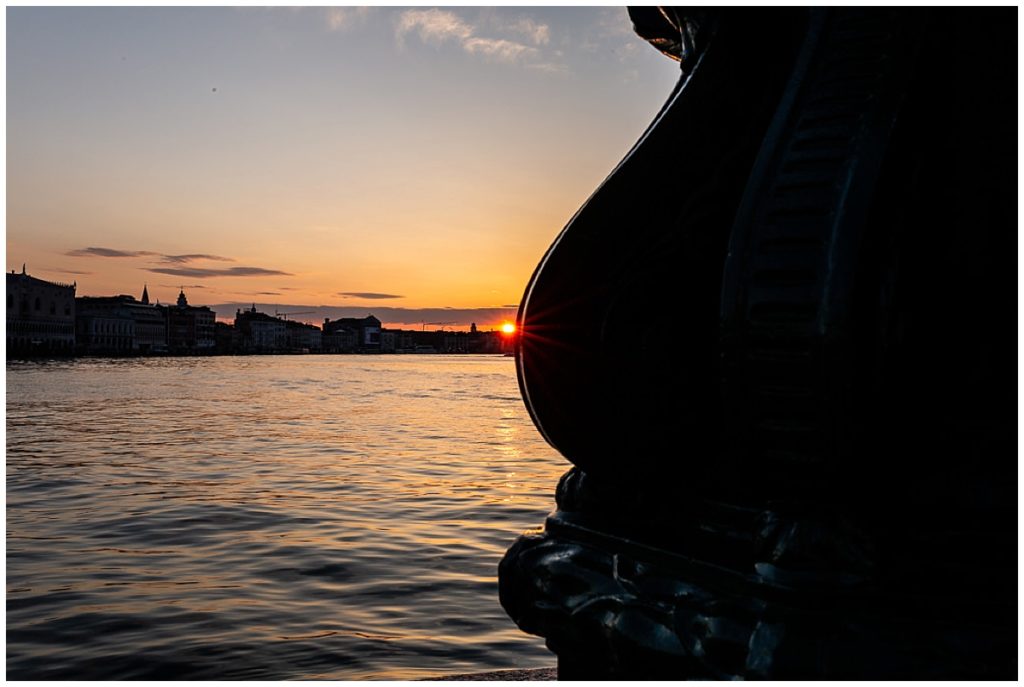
(508, 328)
(321, 228)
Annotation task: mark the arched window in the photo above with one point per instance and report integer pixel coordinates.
(53, 308)
(39, 303)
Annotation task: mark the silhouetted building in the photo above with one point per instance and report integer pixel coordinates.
(303, 338)
(40, 316)
(441, 341)
(367, 331)
(150, 325)
(486, 342)
(405, 341)
(119, 325)
(189, 327)
(260, 333)
(225, 337)
(339, 339)
(426, 342)
(103, 325)
(453, 342)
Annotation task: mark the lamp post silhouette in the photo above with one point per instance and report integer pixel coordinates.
(815, 483)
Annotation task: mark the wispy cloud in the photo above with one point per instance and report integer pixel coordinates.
(189, 257)
(538, 34)
(182, 286)
(368, 294)
(549, 67)
(433, 26)
(436, 27)
(98, 252)
(342, 18)
(499, 49)
(205, 273)
(54, 269)
(94, 251)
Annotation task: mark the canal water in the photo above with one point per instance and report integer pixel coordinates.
(271, 518)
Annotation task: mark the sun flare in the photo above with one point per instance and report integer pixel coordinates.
(508, 328)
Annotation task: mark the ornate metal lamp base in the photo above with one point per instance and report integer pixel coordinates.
(613, 603)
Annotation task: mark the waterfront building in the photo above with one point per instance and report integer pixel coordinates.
(339, 339)
(40, 316)
(473, 341)
(189, 327)
(487, 342)
(453, 342)
(225, 337)
(425, 342)
(367, 330)
(399, 340)
(303, 337)
(405, 341)
(260, 333)
(104, 325)
(119, 325)
(150, 325)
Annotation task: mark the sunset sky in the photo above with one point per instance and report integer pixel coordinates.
(413, 163)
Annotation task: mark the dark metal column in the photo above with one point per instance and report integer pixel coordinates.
(809, 474)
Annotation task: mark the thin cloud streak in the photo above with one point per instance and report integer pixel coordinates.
(539, 34)
(368, 294)
(549, 68)
(100, 252)
(205, 273)
(95, 251)
(499, 48)
(189, 257)
(62, 271)
(436, 27)
(344, 18)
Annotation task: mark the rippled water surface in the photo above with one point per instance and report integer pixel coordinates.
(271, 517)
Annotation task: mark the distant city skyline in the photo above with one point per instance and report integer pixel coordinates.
(390, 316)
(394, 161)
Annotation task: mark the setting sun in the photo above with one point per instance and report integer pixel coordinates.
(508, 328)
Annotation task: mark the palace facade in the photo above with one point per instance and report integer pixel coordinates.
(40, 316)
